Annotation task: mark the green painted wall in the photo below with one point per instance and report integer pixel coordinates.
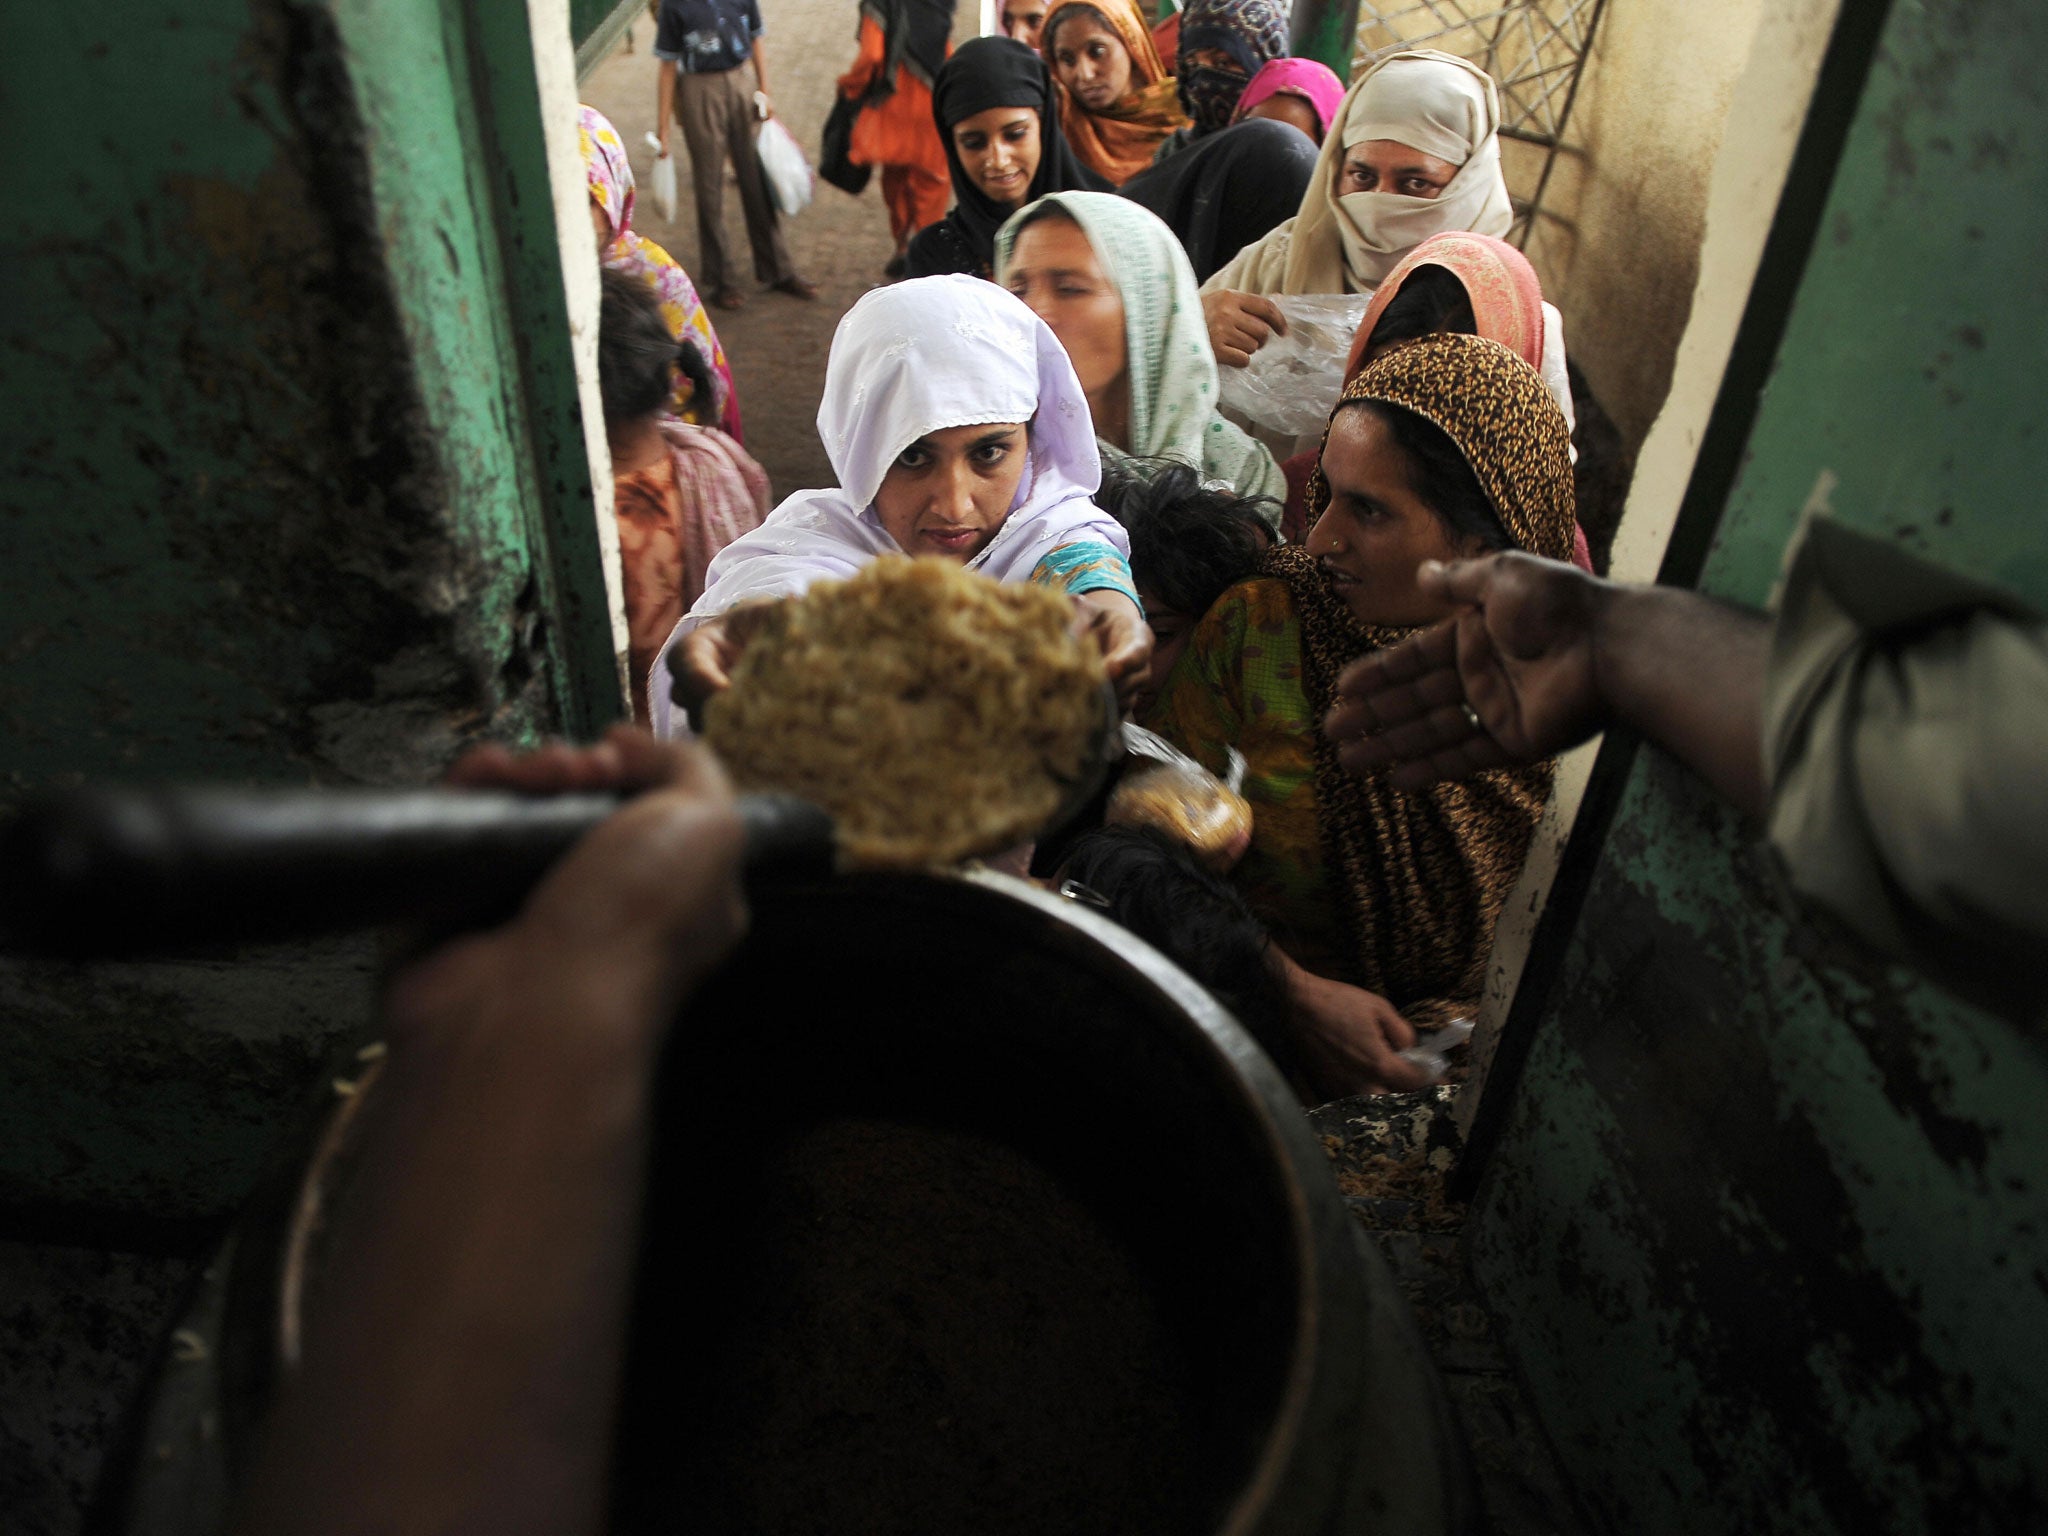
(1765, 1220)
(291, 489)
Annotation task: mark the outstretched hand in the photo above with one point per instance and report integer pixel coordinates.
(1510, 678)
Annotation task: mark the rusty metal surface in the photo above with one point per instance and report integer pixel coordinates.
(1765, 1225)
(286, 480)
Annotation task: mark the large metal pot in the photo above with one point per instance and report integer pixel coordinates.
(969, 1212)
(902, 1075)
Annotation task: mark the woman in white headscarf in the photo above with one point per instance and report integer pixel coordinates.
(1415, 151)
(959, 430)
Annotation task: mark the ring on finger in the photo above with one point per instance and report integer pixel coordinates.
(1472, 718)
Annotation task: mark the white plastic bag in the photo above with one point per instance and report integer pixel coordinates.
(788, 173)
(663, 186)
(1291, 384)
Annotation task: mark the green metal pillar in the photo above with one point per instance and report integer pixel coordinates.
(1325, 30)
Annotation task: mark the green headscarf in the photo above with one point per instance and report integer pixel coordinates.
(1171, 371)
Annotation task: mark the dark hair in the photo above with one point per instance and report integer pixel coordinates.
(1441, 477)
(1045, 37)
(636, 355)
(1189, 541)
(1040, 212)
(1430, 300)
(1160, 891)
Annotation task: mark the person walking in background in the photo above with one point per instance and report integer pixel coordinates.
(707, 42)
(903, 43)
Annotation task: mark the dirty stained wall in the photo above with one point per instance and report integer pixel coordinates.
(275, 483)
(1618, 241)
(293, 489)
(1764, 1225)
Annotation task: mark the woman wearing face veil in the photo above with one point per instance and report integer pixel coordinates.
(903, 46)
(1414, 152)
(993, 104)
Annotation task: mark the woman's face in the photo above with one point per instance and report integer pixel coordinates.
(1091, 61)
(601, 222)
(1054, 270)
(1388, 165)
(1022, 19)
(1376, 531)
(998, 150)
(1285, 107)
(948, 493)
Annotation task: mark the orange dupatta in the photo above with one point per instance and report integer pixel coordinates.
(1118, 143)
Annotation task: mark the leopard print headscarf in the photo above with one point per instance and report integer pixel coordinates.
(1425, 871)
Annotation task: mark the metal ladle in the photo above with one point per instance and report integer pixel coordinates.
(125, 870)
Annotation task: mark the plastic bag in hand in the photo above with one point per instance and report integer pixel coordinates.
(662, 187)
(1291, 384)
(784, 167)
(1170, 792)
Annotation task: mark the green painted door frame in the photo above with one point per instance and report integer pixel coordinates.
(1760, 1215)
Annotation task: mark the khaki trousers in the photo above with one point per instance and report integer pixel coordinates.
(716, 114)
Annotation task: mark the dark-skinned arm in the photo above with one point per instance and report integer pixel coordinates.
(461, 1369)
(1544, 656)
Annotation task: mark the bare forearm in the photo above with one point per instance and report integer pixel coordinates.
(1688, 673)
(760, 68)
(463, 1371)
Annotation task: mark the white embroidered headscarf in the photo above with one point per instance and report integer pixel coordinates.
(908, 360)
(1435, 102)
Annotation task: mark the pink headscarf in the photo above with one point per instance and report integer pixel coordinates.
(1507, 307)
(1507, 296)
(611, 189)
(1312, 82)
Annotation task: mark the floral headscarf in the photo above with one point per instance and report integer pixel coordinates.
(611, 189)
(1251, 32)
(1506, 294)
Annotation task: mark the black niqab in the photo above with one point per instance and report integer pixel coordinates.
(1224, 190)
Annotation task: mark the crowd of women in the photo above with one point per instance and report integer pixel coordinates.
(1040, 400)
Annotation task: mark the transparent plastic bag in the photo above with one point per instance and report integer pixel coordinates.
(1291, 384)
(662, 185)
(784, 167)
(1170, 792)
(1429, 1050)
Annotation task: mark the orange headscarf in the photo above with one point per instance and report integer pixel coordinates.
(1118, 143)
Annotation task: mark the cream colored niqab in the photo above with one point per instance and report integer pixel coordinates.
(1431, 101)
